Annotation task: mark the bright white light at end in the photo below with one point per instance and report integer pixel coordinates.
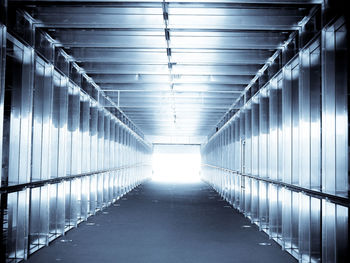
(176, 167)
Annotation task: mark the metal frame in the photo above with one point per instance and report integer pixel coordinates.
(47, 193)
(308, 206)
(320, 195)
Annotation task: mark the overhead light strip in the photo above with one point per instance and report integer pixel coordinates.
(168, 51)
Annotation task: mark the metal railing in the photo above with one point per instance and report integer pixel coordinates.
(317, 194)
(20, 187)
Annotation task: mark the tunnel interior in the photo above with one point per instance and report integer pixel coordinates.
(257, 91)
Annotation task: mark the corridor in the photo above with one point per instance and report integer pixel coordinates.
(172, 223)
(101, 101)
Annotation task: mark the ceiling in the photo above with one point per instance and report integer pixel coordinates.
(173, 67)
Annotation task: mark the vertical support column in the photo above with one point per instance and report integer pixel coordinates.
(224, 163)
(248, 159)
(295, 121)
(93, 157)
(100, 155)
(231, 176)
(264, 123)
(106, 146)
(2, 82)
(122, 159)
(118, 154)
(85, 154)
(287, 124)
(255, 160)
(3, 197)
(127, 161)
(239, 182)
(112, 153)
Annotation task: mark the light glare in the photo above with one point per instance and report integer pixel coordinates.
(176, 166)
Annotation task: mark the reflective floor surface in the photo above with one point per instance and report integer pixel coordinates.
(158, 222)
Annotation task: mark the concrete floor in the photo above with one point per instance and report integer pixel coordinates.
(165, 223)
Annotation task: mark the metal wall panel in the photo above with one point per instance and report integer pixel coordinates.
(17, 229)
(334, 232)
(315, 116)
(238, 143)
(112, 153)
(247, 185)
(125, 162)
(41, 155)
(280, 149)
(309, 231)
(61, 152)
(247, 165)
(224, 149)
(73, 189)
(280, 175)
(118, 158)
(287, 219)
(295, 122)
(255, 161)
(121, 160)
(275, 212)
(287, 124)
(17, 143)
(275, 154)
(228, 147)
(273, 132)
(309, 107)
(38, 99)
(264, 123)
(242, 133)
(263, 206)
(334, 110)
(128, 158)
(58, 154)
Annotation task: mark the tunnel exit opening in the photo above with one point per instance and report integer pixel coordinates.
(176, 163)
